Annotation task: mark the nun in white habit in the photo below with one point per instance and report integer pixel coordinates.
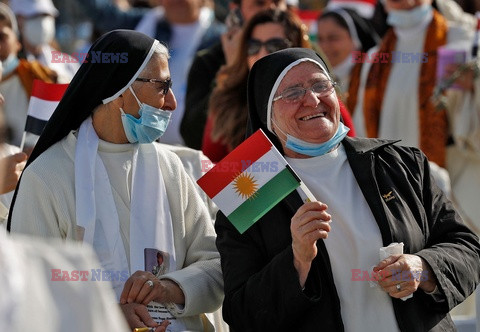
(96, 175)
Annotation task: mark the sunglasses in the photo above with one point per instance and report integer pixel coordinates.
(271, 45)
(163, 86)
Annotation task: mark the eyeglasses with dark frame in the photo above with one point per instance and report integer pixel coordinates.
(295, 94)
(164, 85)
(271, 45)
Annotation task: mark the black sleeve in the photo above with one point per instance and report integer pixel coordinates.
(261, 293)
(452, 249)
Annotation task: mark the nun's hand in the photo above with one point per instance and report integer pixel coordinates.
(310, 223)
(137, 316)
(143, 287)
(401, 275)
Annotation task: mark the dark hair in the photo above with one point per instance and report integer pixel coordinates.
(228, 102)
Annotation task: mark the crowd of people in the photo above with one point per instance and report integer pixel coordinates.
(104, 209)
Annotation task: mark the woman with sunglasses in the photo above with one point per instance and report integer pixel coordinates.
(268, 31)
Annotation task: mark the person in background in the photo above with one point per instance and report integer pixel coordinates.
(185, 26)
(370, 10)
(18, 75)
(12, 163)
(453, 12)
(268, 31)
(310, 263)
(63, 296)
(97, 175)
(462, 104)
(36, 23)
(202, 73)
(394, 98)
(344, 36)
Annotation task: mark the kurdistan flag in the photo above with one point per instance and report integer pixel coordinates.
(249, 181)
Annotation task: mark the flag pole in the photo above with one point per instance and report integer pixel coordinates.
(309, 195)
(307, 192)
(24, 137)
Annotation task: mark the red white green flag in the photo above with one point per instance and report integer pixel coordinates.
(249, 181)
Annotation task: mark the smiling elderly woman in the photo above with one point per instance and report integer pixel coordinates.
(294, 269)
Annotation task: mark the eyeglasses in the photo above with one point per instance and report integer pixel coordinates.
(295, 94)
(164, 86)
(271, 45)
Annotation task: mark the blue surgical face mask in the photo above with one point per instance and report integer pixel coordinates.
(149, 127)
(9, 64)
(408, 18)
(315, 149)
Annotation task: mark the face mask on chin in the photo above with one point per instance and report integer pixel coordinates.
(314, 149)
(39, 30)
(150, 126)
(408, 18)
(10, 64)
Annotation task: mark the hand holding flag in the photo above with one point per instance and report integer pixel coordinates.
(45, 98)
(250, 181)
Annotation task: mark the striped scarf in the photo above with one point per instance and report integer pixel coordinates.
(433, 123)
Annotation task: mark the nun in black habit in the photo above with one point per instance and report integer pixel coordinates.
(309, 265)
(97, 175)
(346, 37)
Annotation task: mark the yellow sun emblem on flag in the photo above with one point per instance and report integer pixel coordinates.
(245, 185)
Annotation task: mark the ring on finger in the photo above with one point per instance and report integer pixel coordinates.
(149, 283)
(399, 287)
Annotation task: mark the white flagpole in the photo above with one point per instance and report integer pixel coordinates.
(24, 137)
(309, 195)
(307, 192)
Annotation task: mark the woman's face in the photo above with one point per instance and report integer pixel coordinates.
(271, 32)
(151, 93)
(313, 119)
(334, 40)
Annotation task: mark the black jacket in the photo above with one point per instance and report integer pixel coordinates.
(262, 290)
